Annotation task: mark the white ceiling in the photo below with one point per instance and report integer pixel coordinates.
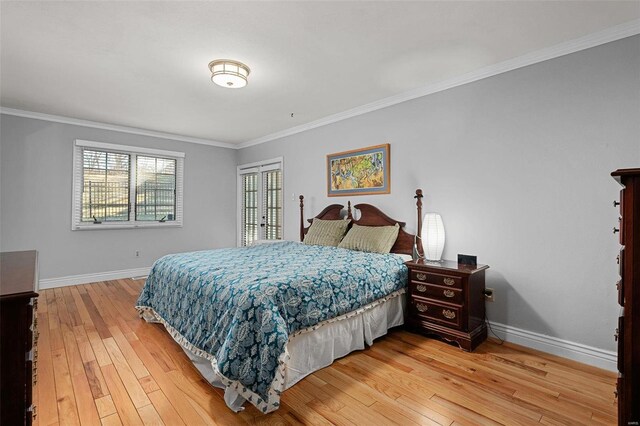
(144, 64)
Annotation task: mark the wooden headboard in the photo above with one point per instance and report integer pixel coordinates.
(371, 216)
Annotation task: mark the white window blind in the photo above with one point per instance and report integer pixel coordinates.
(117, 186)
(249, 212)
(260, 202)
(272, 204)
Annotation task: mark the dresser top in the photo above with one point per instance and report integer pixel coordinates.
(626, 172)
(448, 265)
(18, 272)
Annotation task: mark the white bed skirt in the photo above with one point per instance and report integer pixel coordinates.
(315, 349)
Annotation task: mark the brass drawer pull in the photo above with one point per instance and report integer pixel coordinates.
(448, 293)
(616, 203)
(615, 336)
(422, 308)
(421, 276)
(448, 314)
(421, 288)
(449, 281)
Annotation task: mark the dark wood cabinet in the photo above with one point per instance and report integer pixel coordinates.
(18, 336)
(628, 332)
(446, 299)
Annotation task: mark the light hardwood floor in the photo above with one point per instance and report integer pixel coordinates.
(98, 363)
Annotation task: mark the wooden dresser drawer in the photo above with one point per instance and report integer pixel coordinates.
(620, 288)
(431, 291)
(620, 262)
(438, 279)
(619, 336)
(619, 394)
(446, 314)
(620, 231)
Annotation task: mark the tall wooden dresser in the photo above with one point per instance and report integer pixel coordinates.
(18, 335)
(628, 332)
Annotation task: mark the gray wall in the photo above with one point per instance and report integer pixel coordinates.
(35, 200)
(518, 165)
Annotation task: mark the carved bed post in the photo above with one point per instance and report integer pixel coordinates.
(349, 215)
(418, 198)
(301, 218)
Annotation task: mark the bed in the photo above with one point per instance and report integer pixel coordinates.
(256, 320)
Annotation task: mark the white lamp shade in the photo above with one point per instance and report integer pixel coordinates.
(432, 236)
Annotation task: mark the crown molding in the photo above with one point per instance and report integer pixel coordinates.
(112, 127)
(617, 32)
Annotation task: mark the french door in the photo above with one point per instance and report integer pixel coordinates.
(260, 202)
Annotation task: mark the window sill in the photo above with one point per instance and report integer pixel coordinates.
(103, 226)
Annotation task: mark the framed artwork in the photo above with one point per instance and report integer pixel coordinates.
(359, 172)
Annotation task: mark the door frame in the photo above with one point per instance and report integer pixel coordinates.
(256, 167)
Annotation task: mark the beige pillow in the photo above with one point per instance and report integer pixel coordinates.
(326, 232)
(374, 239)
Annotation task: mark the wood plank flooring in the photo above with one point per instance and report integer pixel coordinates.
(100, 364)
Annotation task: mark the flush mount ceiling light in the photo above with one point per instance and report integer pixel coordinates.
(228, 73)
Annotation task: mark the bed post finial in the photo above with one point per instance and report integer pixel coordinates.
(349, 214)
(418, 198)
(301, 218)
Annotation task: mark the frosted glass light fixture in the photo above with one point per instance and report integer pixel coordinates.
(228, 73)
(432, 237)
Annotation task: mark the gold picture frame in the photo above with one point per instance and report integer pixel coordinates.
(363, 171)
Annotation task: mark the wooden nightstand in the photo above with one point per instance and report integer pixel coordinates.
(446, 299)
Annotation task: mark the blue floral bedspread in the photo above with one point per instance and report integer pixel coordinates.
(237, 307)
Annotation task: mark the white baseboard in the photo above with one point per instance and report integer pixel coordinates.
(92, 278)
(575, 351)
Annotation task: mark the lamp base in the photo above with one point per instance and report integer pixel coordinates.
(415, 254)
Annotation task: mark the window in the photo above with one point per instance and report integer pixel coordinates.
(117, 186)
(260, 201)
(155, 188)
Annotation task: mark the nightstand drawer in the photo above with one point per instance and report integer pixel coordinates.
(431, 278)
(446, 314)
(445, 294)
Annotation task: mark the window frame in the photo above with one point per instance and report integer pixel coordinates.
(78, 179)
(257, 167)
